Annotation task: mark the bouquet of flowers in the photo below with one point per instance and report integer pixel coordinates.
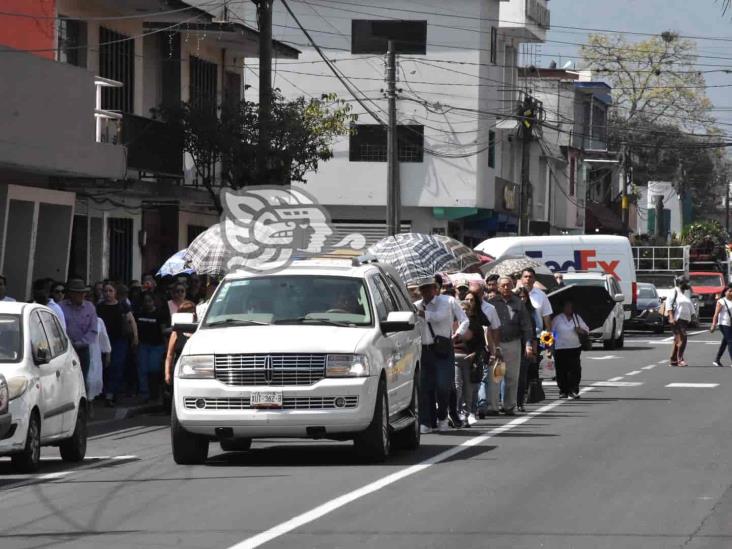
(546, 339)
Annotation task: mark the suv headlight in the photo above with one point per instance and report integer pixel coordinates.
(4, 396)
(196, 367)
(17, 386)
(347, 366)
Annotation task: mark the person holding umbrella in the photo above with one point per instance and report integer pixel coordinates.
(568, 326)
(437, 375)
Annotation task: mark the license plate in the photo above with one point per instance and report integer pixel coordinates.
(266, 399)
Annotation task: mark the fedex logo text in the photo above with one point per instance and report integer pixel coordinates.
(584, 260)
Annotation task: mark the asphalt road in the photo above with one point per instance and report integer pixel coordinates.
(634, 463)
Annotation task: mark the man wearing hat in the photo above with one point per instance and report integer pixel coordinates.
(81, 321)
(437, 374)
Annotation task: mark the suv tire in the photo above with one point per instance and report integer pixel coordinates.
(374, 444)
(620, 343)
(408, 439)
(188, 448)
(74, 449)
(609, 344)
(236, 444)
(29, 460)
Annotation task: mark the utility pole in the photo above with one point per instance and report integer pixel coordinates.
(726, 204)
(264, 19)
(393, 187)
(529, 116)
(659, 233)
(624, 198)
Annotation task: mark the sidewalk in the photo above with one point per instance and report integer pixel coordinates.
(126, 407)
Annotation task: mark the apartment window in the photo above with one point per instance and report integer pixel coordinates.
(494, 45)
(232, 89)
(368, 143)
(117, 62)
(203, 84)
(491, 149)
(572, 176)
(72, 41)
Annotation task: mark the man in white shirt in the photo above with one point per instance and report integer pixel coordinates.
(539, 301)
(42, 296)
(437, 374)
(3, 289)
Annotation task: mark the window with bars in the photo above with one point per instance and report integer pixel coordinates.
(117, 62)
(72, 40)
(368, 143)
(203, 84)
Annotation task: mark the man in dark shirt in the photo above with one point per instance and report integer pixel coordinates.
(150, 326)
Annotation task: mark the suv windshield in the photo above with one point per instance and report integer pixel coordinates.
(301, 299)
(706, 280)
(11, 344)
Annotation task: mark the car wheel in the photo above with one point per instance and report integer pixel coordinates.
(620, 343)
(609, 344)
(188, 448)
(409, 438)
(29, 460)
(74, 448)
(374, 444)
(236, 444)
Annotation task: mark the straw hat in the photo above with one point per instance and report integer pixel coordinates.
(499, 371)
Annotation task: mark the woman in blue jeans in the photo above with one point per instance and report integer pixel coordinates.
(723, 319)
(151, 349)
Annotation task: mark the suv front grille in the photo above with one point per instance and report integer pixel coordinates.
(288, 403)
(276, 369)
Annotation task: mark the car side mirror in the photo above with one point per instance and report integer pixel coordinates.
(619, 298)
(41, 356)
(398, 322)
(184, 322)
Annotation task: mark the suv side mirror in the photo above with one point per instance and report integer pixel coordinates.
(398, 322)
(619, 298)
(184, 322)
(41, 355)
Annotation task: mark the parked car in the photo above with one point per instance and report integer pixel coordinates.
(709, 286)
(650, 310)
(612, 332)
(47, 398)
(322, 349)
(5, 417)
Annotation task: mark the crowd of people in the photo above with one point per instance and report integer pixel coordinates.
(482, 345)
(122, 333)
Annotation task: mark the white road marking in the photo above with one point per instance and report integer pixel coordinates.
(617, 384)
(697, 332)
(697, 385)
(633, 373)
(606, 357)
(649, 367)
(664, 361)
(345, 499)
(615, 378)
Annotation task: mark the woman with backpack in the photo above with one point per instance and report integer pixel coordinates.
(723, 319)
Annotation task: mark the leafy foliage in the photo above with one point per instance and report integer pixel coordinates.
(708, 238)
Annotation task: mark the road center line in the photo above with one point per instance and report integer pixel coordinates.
(633, 373)
(697, 385)
(341, 501)
(649, 367)
(615, 378)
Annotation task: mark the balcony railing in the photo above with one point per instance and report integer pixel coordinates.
(152, 146)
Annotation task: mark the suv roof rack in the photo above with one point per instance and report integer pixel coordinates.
(364, 260)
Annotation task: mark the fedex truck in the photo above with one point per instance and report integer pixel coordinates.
(609, 254)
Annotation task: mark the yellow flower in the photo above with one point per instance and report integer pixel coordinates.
(546, 339)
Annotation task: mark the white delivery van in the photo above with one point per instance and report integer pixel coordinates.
(609, 254)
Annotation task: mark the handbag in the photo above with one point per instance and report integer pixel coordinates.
(583, 338)
(441, 346)
(535, 391)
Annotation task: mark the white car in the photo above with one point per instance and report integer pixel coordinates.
(322, 349)
(612, 332)
(45, 386)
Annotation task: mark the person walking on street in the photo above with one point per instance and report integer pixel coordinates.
(437, 374)
(42, 296)
(723, 319)
(679, 316)
(81, 323)
(3, 289)
(568, 326)
(515, 328)
(523, 294)
(177, 297)
(151, 350)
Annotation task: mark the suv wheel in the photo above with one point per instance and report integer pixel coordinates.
(74, 448)
(188, 448)
(29, 460)
(620, 343)
(374, 444)
(236, 444)
(409, 438)
(609, 344)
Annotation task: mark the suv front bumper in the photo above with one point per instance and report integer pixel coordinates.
(203, 405)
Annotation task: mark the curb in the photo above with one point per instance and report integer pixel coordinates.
(127, 412)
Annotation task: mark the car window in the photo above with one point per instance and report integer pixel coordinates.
(389, 299)
(597, 282)
(379, 301)
(402, 301)
(55, 335)
(37, 334)
(11, 340)
(615, 287)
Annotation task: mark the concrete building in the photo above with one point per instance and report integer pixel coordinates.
(451, 96)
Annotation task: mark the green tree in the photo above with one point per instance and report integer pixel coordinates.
(223, 144)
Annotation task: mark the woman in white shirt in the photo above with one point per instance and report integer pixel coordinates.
(679, 314)
(723, 319)
(567, 327)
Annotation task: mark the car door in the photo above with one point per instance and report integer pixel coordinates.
(387, 345)
(618, 310)
(50, 376)
(67, 363)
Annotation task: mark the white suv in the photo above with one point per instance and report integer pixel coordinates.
(322, 349)
(612, 333)
(45, 386)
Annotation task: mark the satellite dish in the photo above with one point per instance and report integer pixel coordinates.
(568, 65)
